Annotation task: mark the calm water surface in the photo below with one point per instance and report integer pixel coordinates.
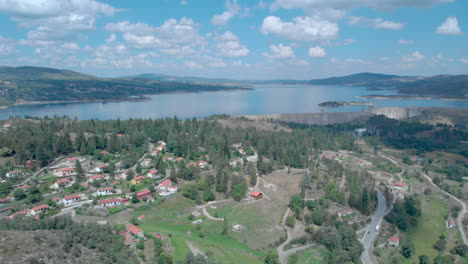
(265, 99)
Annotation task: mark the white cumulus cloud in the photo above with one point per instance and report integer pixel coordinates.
(449, 27)
(414, 57)
(232, 9)
(377, 23)
(317, 52)
(228, 45)
(301, 28)
(280, 51)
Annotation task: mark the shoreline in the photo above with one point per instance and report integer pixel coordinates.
(402, 97)
(140, 99)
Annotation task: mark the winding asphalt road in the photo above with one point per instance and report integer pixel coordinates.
(371, 230)
(461, 214)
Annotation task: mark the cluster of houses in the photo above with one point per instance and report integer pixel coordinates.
(34, 212)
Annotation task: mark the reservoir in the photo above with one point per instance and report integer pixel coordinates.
(265, 99)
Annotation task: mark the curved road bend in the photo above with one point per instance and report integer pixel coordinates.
(463, 211)
(371, 232)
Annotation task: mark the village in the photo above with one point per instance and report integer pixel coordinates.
(145, 201)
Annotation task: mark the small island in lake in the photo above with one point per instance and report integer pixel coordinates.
(339, 104)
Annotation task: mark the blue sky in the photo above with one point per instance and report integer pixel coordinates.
(243, 39)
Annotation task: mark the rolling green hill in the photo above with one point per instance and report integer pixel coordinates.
(46, 84)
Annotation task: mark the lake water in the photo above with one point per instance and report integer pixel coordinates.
(265, 99)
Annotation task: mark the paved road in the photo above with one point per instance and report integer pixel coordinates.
(461, 214)
(371, 232)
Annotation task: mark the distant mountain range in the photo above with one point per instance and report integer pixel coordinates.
(37, 84)
(440, 86)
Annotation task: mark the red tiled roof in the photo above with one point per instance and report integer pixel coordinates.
(139, 178)
(451, 221)
(202, 161)
(62, 181)
(256, 194)
(23, 212)
(133, 229)
(113, 200)
(394, 239)
(153, 171)
(106, 189)
(65, 169)
(42, 206)
(25, 187)
(99, 176)
(72, 197)
(143, 193)
(401, 184)
(165, 183)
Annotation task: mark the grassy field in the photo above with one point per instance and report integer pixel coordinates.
(430, 226)
(170, 218)
(309, 256)
(260, 219)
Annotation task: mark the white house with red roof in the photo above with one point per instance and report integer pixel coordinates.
(168, 158)
(71, 199)
(153, 174)
(393, 241)
(164, 185)
(23, 213)
(134, 230)
(110, 202)
(145, 193)
(99, 168)
(14, 173)
(105, 191)
(96, 177)
(203, 164)
(61, 183)
(154, 153)
(61, 172)
(451, 222)
(7, 125)
(39, 209)
(401, 186)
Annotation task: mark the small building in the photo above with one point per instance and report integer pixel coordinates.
(154, 153)
(164, 185)
(60, 183)
(23, 213)
(236, 145)
(170, 190)
(238, 228)
(203, 164)
(257, 195)
(138, 180)
(451, 223)
(14, 173)
(198, 221)
(105, 191)
(96, 177)
(141, 217)
(61, 172)
(168, 158)
(401, 186)
(161, 147)
(146, 163)
(360, 132)
(393, 241)
(134, 230)
(104, 152)
(110, 202)
(122, 176)
(39, 209)
(7, 125)
(179, 159)
(25, 187)
(241, 151)
(143, 194)
(153, 174)
(71, 199)
(100, 168)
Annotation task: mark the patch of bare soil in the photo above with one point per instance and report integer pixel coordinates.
(41, 246)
